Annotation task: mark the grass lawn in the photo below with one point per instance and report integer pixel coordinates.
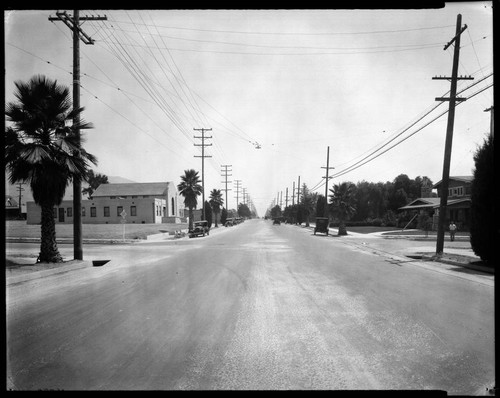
(19, 229)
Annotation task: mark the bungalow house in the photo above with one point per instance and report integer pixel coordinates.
(457, 207)
(141, 203)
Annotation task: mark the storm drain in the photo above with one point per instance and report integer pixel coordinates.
(99, 263)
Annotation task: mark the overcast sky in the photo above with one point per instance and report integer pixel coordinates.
(277, 87)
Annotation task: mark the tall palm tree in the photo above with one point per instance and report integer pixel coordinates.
(190, 188)
(342, 203)
(216, 202)
(42, 149)
(307, 203)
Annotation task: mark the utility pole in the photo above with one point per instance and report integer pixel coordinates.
(281, 199)
(238, 187)
(490, 109)
(327, 178)
(78, 34)
(20, 189)
(244, 195)
(293, 194)
(286, 198)
(203, 156)
(449, 132)
(225, 171)
(298, 192)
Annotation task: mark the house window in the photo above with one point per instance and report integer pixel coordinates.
(106, 211)
(112, 197)
(93, 212)
(460, 191)
(119, 210)
(133, 211)
(134, 196)
(69, 213)
(145, 196)
(83, 211)
(173, 207)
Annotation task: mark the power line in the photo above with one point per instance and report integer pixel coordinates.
(304, 33)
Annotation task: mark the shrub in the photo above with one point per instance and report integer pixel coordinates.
(483, 229)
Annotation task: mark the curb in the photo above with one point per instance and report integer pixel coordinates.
(10, 280)
(70, 240)
(474, 267)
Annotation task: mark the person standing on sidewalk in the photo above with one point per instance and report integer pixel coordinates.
(453, 229)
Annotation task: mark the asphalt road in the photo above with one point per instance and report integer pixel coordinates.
(254, 306)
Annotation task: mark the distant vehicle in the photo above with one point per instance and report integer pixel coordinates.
(229, 222)
(199, 228)
(238, 220)
(276, 221)
(321, 225)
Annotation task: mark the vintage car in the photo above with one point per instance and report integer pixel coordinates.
(229, 222)
(321, 225)
(199, 228)
(277, 221)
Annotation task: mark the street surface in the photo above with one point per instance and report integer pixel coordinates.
(255, 306)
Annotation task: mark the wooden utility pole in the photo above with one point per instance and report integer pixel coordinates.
(20, 189)
(298, 192)
(78, 34)
(203, 156)
(327, 178)
(293, 194)
(449, 132)
(286, 198)
(225, 171)
(238, 187)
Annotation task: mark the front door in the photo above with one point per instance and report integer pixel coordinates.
(61, 214)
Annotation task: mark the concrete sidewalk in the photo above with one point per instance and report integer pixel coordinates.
(463, 257)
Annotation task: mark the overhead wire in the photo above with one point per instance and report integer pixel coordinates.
(368, 158)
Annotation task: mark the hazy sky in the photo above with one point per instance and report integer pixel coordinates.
(277, 87)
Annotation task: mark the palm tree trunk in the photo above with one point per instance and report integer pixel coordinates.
(216, 215)
(49, 252)
(191, 216)
(342, 228)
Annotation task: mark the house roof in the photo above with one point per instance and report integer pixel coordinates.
(432, 203)
(421, 203)
(456, 178)
(128, 189)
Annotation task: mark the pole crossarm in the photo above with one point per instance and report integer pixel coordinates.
(69, 21)
(455, 38)
(449, 99)
(449, 78)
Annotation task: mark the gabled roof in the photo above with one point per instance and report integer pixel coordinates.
(455, 178)
(431, 203)
(421, 203)
(128, 189)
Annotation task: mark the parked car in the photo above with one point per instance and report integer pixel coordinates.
(229, 222)
(276, 221)
(199, 228)
(321, 225)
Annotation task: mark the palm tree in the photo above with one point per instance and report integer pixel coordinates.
(216, 202)
(190, 188)
(342, 203)
(42, 150)
(307, 203)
